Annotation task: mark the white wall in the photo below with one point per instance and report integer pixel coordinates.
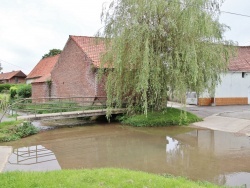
(233, 85)
(28, 81)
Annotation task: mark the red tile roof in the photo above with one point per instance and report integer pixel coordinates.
(43, 69)
(241, 62)
(9, 75)
(92, 47)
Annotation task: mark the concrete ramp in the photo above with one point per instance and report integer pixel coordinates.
(227, 124)
(5, 152)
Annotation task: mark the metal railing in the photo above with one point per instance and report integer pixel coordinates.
(36, 106)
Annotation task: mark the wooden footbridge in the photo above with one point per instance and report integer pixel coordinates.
(59, 108)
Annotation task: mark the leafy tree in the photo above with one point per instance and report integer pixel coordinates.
(158, 46)
(52, 52)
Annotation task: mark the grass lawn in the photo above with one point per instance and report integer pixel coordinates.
(167, 117)
(107, 177)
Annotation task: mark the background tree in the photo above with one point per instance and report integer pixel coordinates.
(154, 46)
(52, 52)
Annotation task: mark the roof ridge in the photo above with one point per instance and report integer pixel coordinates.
(11, 71)
(95, 37)
(83, 36)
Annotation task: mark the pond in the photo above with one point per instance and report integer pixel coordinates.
(214, 156)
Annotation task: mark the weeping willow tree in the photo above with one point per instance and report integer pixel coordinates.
(158, 46)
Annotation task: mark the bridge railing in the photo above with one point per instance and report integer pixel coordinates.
(56, 104)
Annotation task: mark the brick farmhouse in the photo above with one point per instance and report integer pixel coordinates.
(14, 77)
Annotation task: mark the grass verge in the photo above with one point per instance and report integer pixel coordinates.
(14, 130)
(106, 177)
(167, 117)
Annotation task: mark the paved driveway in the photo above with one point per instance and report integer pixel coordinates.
(235, 119)
(237, 111)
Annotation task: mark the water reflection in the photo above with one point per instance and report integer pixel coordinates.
(32, 158)
(172, 144)
(223, 157)
(214, 156)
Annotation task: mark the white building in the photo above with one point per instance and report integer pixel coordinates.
(235, 84)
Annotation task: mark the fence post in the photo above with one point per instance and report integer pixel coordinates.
(60, 105)
(83, 104)
(35, 107)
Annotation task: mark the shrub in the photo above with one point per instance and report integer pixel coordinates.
(4, 87)
(26, 129)
(13, 92)
(24, 91)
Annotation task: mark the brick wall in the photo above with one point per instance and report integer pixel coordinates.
(100, 85)
(231, 101)
(205, 101)
(16, 80)
(73, 75)
(40, 90)
(223, 101)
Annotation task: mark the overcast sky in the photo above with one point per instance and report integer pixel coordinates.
(30, 28)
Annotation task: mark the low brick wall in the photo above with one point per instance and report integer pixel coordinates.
(223, 101)
(231, 101)
(205, 101)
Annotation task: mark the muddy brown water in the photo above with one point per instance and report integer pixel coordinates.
(214, 156)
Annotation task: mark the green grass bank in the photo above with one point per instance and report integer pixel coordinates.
(106, 177)
(14, 130)
(166, 117)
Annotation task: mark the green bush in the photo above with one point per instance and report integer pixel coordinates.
(5, 87)
(13, 92)
(24, 91)
(26, 129)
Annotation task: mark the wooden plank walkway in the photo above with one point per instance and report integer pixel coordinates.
(65, 115)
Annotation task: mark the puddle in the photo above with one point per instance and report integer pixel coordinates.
(214, 156)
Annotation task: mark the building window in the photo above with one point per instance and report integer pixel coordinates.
(16, 80)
